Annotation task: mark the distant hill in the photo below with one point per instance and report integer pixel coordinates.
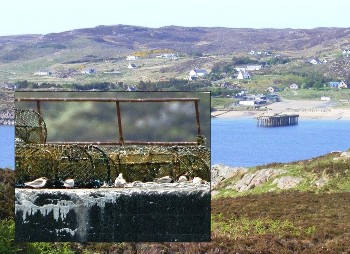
(22, 55)
(185, 39)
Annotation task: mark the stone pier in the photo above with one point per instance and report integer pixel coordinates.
(144, 212)
(277, 120)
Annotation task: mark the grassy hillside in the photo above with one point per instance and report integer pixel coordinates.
(304, 219)
(104, 48)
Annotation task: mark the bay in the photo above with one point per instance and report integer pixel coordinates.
(240, 142)
(7, 146)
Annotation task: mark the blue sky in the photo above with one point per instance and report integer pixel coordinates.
(41, 17)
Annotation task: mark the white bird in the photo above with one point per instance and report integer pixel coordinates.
(37, 183)
(68, 183)
(136, 184)
(164, 179)
(119, 181)
(182, 179)
(105, 185)
(197, 180)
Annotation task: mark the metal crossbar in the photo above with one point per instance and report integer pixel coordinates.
(118, 101)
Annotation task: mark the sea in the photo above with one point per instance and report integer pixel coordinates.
(7, 146)
(239, 142)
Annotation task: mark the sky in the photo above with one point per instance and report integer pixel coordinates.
(48, 16)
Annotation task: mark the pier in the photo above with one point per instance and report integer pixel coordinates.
(277, 120)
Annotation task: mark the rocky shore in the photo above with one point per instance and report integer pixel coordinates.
(241, 179)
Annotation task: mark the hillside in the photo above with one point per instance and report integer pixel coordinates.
(61, 57)
(312, 217)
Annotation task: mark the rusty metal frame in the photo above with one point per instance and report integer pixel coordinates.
(118, 101)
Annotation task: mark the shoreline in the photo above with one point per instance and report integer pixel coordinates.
(305, 110)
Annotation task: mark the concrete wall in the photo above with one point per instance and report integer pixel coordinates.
(153, 212)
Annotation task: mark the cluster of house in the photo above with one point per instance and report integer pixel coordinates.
(265, 53)
(255, 99)
(339, 85)
(7, 117)
(242, 72)
(171, 56)
(346, 52)
(316, 61)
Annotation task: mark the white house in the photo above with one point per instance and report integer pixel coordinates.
(246, 103)
(243, 75)
(131, 66)
(131, 58)
(294, 87)
(314, 61)
(240, 69)
(253, 67)
(88, 71)
(273, 89)
(325, 98)
(342, 84)
(196, 73)
(346, 52)
(42, 73)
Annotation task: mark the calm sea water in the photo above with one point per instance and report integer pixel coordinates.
(7, 146)
(239, 142)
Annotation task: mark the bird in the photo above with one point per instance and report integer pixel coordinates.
(164, 179)
(37, 183)
(119, 181)
(197, 180)
(182, 179)
(105, 185)
(68, 183)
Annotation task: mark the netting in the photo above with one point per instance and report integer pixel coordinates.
(92, 165)
(30, 127)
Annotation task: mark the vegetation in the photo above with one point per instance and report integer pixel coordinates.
(302, 220)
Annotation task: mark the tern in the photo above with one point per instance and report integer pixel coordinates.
(182, 179)
(119, 181)
(164, 179)
(37, 183)
(197, 180)
(68, 183)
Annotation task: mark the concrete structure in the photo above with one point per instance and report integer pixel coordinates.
(140, 212)
(277, 120)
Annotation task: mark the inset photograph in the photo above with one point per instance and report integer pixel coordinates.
(112, 166)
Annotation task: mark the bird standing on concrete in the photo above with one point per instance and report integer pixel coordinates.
(164, 179)
(37, 183)
(182, 179)
(68, 183)
(197, 180)
(119, 181)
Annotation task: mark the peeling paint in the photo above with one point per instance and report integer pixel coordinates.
(81, 211)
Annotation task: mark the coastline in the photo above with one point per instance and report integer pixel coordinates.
(305, 109)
